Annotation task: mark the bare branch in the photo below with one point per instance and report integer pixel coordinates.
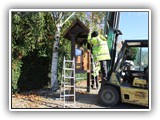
(68, 18)
(53, 18)
(59, 17)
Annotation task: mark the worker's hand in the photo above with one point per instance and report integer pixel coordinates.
(91, 28)
(90, 32)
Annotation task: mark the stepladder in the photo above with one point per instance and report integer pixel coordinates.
(67, 88)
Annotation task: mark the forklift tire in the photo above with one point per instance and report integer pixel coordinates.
(108, 96)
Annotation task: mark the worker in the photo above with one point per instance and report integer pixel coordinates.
(100, 51)
(95, 74)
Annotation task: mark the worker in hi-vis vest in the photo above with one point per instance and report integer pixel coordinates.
(100, 51)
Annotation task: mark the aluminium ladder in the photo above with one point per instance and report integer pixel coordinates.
(67, 91)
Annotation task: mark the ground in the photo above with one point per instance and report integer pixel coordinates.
(45, 98)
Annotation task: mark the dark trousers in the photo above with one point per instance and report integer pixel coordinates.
(104, 69)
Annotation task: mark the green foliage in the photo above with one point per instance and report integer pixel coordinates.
(131, 53)
(33, 32)
(145, 56)
(95, 20)
(16, 71)
(30, 31)
(142, 57)
(35, 71)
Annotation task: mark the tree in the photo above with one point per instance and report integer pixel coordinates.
(58, 23)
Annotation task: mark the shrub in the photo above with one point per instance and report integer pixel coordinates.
(16, 71)
(34, 73)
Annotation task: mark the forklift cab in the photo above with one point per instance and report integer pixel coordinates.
(134, 62)
(128, 82)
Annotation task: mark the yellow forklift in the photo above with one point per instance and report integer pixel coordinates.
(128, 81)
(128, 78)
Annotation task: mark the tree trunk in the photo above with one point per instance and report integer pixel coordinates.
(54, 80)
(54, 69)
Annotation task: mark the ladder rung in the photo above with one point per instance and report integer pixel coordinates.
(80, 78)
(68, 68)
(68, 77)
(68, 95)
(62, 96)
(68, 85)
(69, 61)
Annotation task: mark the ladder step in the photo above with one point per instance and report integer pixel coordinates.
(62, 98)
(68, 77)
(66, 83)
(69, 61)
(68, 68)
(68, 95)
(69, 86)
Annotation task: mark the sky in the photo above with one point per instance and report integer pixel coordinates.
(134, 25)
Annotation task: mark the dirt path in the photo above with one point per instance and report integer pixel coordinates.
(45, 98)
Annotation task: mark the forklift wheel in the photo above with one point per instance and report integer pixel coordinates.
(108, 95)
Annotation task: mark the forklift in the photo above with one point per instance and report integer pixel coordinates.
(128, 76)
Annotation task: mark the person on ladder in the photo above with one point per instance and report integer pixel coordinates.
(100, 51)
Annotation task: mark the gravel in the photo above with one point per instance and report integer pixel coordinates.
(45, 98)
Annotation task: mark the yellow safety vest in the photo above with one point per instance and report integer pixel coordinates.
(99, 47)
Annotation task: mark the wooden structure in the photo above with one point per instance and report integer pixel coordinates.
(78, 34)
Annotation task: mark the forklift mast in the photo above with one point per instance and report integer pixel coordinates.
(112, 31)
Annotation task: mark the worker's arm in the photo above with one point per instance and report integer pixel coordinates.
(89, 38)
(102, 38)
